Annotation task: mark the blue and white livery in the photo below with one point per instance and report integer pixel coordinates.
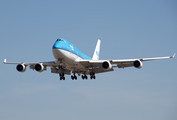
(69, 60)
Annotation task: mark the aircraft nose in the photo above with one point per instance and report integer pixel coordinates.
(56, 44)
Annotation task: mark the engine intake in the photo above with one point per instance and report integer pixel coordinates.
(21, 67)
(138, 64)
(39, 67)
(107, 65)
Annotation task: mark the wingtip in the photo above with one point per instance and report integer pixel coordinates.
(173, 55)
(4, 60)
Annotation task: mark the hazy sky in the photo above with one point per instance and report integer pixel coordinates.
(127, 29)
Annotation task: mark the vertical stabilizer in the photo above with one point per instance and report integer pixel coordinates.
(97, 51)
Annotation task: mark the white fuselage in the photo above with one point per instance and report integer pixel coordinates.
(68, 59)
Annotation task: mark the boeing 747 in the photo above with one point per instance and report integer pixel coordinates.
(69, 60)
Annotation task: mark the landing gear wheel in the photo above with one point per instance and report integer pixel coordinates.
(92, 75)
(62, 76)
(84, 77)
(73, 77)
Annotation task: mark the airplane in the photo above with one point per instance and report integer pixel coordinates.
(69, 60)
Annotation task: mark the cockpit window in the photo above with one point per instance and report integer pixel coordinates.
(59, 40)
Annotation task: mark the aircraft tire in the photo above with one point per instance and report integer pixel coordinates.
(72, 77)
(82, 77)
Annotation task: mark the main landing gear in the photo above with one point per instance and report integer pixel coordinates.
(92, 75)
(84, 77)
(62, 76)
(73, 77)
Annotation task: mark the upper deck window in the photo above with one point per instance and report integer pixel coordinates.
(59, 40)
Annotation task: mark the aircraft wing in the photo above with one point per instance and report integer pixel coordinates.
(91, 65)
(142, 59)
(31, 63)
(52, 64)
(96, 65)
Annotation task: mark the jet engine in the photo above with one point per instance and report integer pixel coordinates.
(21, 67)
(39, 67)
(138, 64)
(107, 65)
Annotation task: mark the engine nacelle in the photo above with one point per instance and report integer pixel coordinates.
(138, 64)
(107, 65)
(39, 67)
(21, 67)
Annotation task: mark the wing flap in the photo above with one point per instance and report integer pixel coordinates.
(123, 65)
(63, 70)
